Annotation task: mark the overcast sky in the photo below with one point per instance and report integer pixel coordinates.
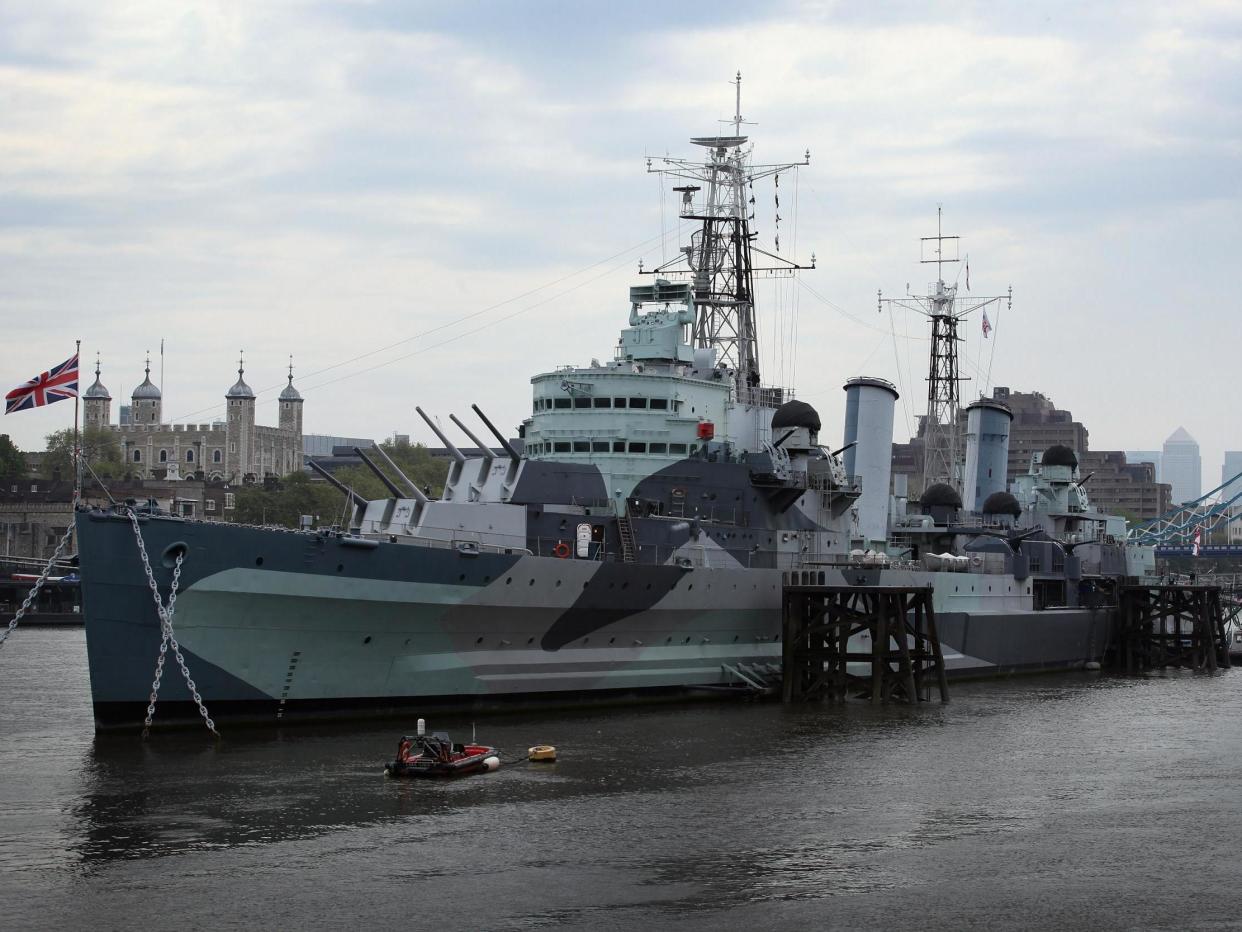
(362, 185)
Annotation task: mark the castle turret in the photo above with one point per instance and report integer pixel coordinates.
(291, 421)
(239, 460)
(148, 400)
(96, 403)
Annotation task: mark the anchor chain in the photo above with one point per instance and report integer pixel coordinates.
(165, 613)
(34, 590)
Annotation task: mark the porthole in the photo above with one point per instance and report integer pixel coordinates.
(558, 584)
(530, 641)
(461, 578)
(340, 567)
(367, 639)
(478, 641)
(612, 640)
(668, 640)
(508, 580)
(258, 561)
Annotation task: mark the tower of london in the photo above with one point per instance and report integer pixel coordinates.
(235, 449)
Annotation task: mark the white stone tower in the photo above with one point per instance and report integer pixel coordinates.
(239, 459)
(147, 400)
(291, 422)
(96, 403)
(291, 407)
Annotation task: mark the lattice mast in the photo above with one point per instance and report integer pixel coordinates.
(942, 444)
(720, 258)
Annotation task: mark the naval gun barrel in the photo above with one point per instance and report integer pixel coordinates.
(353, 496)
(498, 435)
(379, 473)
(415, 492)
(448, 444)
(484, 449)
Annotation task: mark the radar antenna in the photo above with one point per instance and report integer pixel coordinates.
(939, 429)
(720, 258)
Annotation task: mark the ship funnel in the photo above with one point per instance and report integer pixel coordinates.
(868, 443)
(987, 452)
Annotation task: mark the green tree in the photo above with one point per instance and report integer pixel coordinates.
(100, 448)
(287, 500)
(415, 462)
(12, 463)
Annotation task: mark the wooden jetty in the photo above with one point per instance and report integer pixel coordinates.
(1169, 626)
(818, 622)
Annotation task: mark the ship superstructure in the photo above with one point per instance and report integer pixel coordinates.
(634, 547)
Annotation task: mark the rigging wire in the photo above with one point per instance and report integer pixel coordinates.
(628, 253)
(796, 295)
(905, 394)
(453, 339)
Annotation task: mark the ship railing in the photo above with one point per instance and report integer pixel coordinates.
(604, 503)
(824, 482)
(453, 539)
(767, 396)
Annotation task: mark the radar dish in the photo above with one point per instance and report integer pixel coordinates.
(715, 257)
(718, 142)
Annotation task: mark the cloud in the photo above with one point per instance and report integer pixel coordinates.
(327, 179)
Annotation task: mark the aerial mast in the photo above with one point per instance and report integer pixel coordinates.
(941, 433)
(720, 257)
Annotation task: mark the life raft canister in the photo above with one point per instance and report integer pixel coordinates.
(561, 550)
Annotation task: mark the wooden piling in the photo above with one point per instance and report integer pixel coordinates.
(819, 622)
(1169, 626)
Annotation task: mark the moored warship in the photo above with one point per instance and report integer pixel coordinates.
(633, 547)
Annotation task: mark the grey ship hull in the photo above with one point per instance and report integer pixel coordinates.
(280, 624)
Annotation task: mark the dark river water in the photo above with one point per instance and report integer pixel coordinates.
(1069, 802)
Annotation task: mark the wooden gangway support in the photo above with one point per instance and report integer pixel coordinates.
(822, 626)
(1170, 626)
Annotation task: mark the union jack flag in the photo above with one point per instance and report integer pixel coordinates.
(58, 383)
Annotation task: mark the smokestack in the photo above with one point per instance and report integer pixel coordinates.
(987, 452)
(869, 406)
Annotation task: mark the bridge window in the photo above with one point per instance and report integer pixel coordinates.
(638, 448)
(561, 446)
(582, 446)
(561, 403)
(656, 448)
(603, 402)
(618, 446)
(659, 404)
(677, 448)
(618, 402)
(582, 401)
(638, 402)
(598, 446)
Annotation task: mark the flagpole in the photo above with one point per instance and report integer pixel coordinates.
(77, 448)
